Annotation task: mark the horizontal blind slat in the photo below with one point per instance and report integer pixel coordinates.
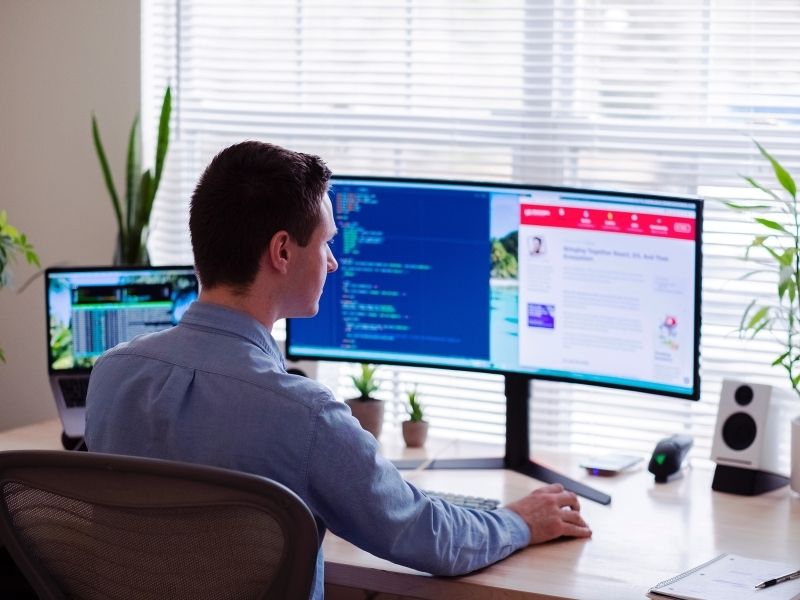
(656, 96)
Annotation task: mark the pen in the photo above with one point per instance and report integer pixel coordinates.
(781, 579)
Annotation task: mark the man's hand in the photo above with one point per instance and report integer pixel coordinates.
(551, 512)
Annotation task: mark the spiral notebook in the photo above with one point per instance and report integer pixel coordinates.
(730, 577)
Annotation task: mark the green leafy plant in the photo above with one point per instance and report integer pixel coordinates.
(365, 381)
(780, 254)
(133, 219)
(12, 243)
(414, 408)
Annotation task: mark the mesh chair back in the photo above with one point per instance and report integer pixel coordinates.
(92, 526)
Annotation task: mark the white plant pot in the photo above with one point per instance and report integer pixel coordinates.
(794, 481)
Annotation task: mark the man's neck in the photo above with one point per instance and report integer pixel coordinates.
(251, 303)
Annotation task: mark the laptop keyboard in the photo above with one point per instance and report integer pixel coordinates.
(74, 390)
(465, 501)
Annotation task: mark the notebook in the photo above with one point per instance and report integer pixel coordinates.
(92, 309)
(729, 577)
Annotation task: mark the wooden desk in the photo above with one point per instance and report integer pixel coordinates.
(45, 435)
(649, 532)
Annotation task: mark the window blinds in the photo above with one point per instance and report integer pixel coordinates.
(649, 95)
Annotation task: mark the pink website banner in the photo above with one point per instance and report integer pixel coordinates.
(616, 221)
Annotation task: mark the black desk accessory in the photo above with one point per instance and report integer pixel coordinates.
(746, 482)
(668, 457)
(72, 443)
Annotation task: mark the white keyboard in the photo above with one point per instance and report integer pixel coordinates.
(465, 501)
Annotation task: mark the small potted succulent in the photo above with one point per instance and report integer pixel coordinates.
(415, 429)
(367, 409)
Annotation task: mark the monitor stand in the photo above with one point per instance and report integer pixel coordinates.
(517, 456)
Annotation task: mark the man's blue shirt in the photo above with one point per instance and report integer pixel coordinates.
(214, 390)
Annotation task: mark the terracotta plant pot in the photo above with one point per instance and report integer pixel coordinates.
(369, 413)
(415, 433)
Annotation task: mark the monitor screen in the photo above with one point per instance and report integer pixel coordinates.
(92, 309)
(566, 284)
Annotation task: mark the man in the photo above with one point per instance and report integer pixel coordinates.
(214, 389)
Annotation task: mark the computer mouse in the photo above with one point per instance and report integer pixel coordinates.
(668, 457)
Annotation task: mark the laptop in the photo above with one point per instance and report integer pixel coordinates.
(92, 309)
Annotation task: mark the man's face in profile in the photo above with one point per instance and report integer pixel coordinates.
(314, 262)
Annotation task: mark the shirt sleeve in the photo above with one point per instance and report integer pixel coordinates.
(361, 497)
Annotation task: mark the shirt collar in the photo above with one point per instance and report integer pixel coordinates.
(232, 322)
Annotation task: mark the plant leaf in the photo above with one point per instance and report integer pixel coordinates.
(774, 254)
(761, 326)
(133, 167)
(772, 225)
(782, 286)
(32, 257)
(745, 313)
(779, 360)
(736, 206)
(760, 315)
(764, 189)
(146, 196)
(162, 142)
(101, 156)
(134, 252)
(783, 176)
(757, 241)
(787, 258)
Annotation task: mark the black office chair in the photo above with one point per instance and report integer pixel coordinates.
(91, 526)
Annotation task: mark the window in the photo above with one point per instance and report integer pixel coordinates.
(641, 95)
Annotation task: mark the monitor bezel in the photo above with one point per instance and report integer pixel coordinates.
(92, 269)
(695, 201)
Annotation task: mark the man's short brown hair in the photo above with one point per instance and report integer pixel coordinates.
(248, 193)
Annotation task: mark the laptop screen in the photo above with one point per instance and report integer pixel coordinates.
(92, 309)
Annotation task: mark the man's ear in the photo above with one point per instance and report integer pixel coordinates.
(279, 251)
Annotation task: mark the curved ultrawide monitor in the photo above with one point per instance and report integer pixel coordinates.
(574, 285)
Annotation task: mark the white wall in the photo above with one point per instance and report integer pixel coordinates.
(59, 60)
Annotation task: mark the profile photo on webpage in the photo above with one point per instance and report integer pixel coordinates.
(536, 245)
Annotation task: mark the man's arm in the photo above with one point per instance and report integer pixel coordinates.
(362, 498)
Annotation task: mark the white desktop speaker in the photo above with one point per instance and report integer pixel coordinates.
(306, 368)
(746, 439)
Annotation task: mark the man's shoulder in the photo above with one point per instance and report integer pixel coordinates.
(232, 363)
(298, 388)
(148, 344)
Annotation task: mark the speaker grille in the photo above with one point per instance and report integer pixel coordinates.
(743, 395)
(739, 431)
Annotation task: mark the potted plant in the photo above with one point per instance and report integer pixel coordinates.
(415, 429)
(12, 243)
(778, 249)
(365, 408)
(133, 219)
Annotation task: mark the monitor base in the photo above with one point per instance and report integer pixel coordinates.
(517, 454)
